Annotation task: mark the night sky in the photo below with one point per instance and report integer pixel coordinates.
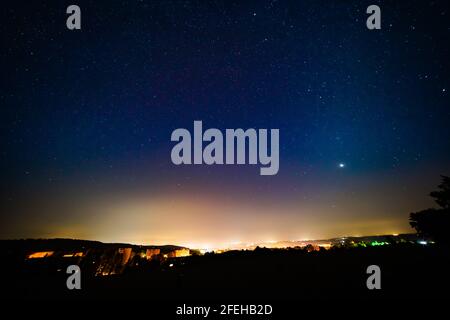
(87, 115)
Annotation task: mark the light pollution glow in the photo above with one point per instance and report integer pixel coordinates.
(204, 217)
(212, 223)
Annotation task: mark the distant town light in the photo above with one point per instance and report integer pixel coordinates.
(376, 243)
(72, 255)
(39, 255)
(422, 242)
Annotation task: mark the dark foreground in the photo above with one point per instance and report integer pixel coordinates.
(407, 272)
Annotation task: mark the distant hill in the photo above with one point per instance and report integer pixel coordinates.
(333, 241)
(27, 245)
(24, 245)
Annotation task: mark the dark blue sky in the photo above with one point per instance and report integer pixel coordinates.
(94, 109)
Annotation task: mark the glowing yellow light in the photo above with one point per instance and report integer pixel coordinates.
(179, 253)
(41, 254)
(71, 255)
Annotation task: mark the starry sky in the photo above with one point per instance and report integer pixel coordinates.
(86, 118)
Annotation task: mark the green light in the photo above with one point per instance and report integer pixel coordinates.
(376, 243)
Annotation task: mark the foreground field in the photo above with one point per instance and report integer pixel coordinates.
(407, 272)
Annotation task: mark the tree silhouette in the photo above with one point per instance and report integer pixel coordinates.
(442, 197)
(435, 223)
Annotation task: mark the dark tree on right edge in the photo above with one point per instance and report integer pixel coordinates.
(435, 222)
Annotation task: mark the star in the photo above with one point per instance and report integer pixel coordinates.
(341, 165)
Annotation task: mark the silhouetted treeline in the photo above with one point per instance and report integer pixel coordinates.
(435, 222)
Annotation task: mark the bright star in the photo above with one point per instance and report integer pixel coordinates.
(341, 165)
